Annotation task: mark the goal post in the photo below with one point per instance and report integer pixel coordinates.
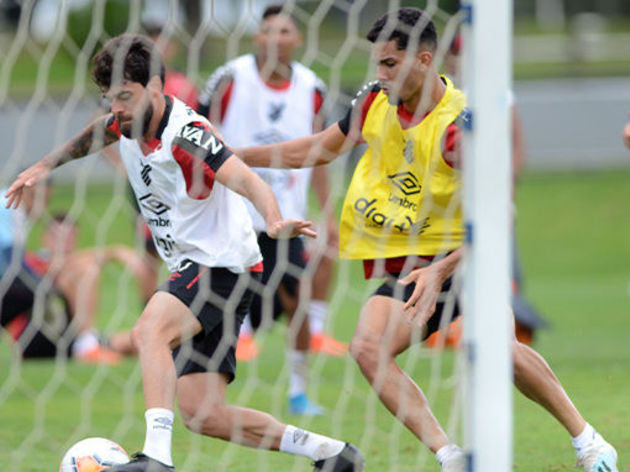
(487, 35)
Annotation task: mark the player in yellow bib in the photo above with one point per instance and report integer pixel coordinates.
(402, 217)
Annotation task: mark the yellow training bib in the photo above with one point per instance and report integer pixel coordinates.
(404, 199)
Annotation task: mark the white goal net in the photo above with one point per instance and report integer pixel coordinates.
(75, 261)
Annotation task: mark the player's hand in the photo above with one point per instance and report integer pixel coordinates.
(423, 301)
(25, 182)
(284, 229)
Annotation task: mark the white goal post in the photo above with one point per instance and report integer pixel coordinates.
(487, 39)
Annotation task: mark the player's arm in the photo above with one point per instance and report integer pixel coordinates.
(429, 282)
(237, 176)
(204, 158)
(94, 137)
(317, 149)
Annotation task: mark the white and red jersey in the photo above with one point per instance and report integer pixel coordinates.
(191, 216)
(252, 112)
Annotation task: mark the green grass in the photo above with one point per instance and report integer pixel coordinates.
(573, 232)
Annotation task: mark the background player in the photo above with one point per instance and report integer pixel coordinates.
(203, 232)
(263, 98)
(407, 120)
(626, 135)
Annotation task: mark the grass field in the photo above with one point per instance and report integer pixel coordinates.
(574, 233)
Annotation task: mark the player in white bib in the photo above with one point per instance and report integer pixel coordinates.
(186, 182)
(265, 98)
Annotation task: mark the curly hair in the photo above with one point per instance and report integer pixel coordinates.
(127, 57)
(403, 25)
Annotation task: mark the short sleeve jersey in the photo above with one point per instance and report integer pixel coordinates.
(190, 214)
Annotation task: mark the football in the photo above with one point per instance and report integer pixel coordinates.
(93, 455)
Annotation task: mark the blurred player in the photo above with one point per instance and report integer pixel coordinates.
(186, 182)
(39, 306)
(176, 83)
(264, 98)
(395, 218)
(625, 134)
(71, 301)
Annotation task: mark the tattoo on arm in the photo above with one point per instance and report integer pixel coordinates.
(93, 138)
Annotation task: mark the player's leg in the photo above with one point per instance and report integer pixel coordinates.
(201, 398)
(318, 310)
(384, 331)
(535, 379)
(289, 259)
(165, 323)
(79, 281)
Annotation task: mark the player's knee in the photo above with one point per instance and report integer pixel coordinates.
(365, 352)
(146, 332)
(519, 357)
(210, 421)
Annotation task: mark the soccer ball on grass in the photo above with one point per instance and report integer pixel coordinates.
(93, 455)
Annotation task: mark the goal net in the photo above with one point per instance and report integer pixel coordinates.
(75, 259)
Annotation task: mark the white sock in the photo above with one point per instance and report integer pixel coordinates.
(157, 442)
(298, 372)
(305, 443)
(446, 452)
(317, 313)
(246, 327)
(84, 342)
(584, 439)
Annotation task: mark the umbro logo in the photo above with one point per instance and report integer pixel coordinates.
(152, 204)
(144, 173)
(407, 182)
(300, 436)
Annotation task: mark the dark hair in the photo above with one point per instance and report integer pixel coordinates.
(278, 9)
(129, 56)
(409, 23)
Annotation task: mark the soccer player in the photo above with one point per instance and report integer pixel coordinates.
(71, 276)
(264, 98)
(187, 182)
(625, 134)
(26, 284)
(402, 216)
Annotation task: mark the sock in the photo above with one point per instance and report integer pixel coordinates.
(584, 439)
(305, 443)
(246, 327)
(157, 442)
(298, 372)
(317, 312)
(446, 452)
(84, 342)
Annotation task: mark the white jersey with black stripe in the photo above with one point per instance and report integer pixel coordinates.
(211, 227)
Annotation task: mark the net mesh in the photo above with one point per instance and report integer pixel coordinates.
(46, 96)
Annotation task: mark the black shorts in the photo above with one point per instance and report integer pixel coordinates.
(279, 269)
(42, 333)
(220, 300)
(392, 289)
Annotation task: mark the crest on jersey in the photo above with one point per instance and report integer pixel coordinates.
(408, 151)
(275, 111)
